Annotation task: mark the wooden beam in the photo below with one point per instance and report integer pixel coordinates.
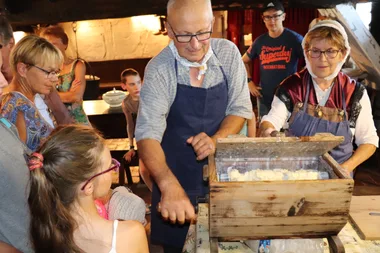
(364, 49)
(27, 12)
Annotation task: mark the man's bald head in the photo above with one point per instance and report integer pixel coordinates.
(188, 9)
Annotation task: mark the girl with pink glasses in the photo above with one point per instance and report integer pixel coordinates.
(68, 172)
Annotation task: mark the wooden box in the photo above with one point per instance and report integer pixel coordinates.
(278, 209)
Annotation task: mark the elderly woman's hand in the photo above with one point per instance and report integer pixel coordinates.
(269, 132)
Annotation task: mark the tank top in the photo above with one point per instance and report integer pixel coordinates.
(113, 249)
(75, 109)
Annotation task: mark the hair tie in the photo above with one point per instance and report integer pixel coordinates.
(35, 161)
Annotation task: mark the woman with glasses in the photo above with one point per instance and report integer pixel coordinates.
(321, 98)
(35, 65)
(67, 173)
(72, 81)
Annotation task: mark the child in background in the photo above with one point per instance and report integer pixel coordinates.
(131, 82)
(67, 173)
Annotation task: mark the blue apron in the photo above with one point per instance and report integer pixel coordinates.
(193, 111)
(308, 125)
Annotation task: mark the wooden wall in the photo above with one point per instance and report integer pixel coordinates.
(109, 71)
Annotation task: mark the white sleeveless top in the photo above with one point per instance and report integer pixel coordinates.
(113, 249)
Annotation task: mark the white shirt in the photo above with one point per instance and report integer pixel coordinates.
(43, 109)
(364, 132)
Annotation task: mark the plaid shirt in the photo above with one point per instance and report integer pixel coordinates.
(160, 86)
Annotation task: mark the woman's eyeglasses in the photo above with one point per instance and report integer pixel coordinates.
(49, 74)
(329, 53)
(114, 166)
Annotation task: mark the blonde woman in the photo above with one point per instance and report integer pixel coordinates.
(35, 65)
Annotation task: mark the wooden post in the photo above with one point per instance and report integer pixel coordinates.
(213, 245)
(364, 48)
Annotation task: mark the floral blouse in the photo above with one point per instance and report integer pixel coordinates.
(75, 109)
(37, 129)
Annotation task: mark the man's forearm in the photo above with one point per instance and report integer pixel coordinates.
(248, 69)
(153, 157)
(230, 125)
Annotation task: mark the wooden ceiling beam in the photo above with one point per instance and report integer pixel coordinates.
(28, 12)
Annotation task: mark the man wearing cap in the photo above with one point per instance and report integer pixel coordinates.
(278, 52)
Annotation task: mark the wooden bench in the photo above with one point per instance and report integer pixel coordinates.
(118, 148)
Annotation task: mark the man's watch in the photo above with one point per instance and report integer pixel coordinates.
(249, 79)
(131, 147)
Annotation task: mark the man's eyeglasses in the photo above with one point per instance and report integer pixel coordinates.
(329, 53)
(274, 17)
(115, 167)
(49, 74)
(186, 38)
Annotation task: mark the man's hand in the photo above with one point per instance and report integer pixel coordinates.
(175, 206)
(128, 156)
(255, 90)
(203, 145)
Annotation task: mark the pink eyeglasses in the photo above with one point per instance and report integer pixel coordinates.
(115, 166)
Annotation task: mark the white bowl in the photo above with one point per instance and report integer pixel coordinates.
(114, 97)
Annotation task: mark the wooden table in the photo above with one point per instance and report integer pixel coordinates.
(110, 121)
(198, 239)
(99, 107)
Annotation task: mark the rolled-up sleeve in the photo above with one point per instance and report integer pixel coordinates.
(278, 114)
(239, 101)
(154, 106)
(365, 131)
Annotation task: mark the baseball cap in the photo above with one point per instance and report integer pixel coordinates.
(277, 5)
